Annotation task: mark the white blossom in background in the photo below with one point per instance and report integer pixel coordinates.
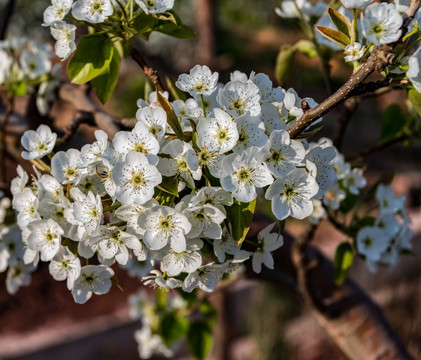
(381, 23)
(65, 35)
(318, 213)
(354, 52)
(94, 11)
(26, 204)
(150, 344)
(333, 197)
(237, 98)
(17, 276)
(56, 11)
(385, 195)
(155, 6)
(93, 279)
(372, 241)
(354, 181)
(200, 81)
(356, 4)
(414, 73)
(268, 242)
(292, 9)
(38, 143)
(35, 63)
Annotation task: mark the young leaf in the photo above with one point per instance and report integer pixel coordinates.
(178, 31)
(342, 262)
(334, 36)
(105, 83)
(172, 118)
(415, 98)
(92, 57)
(341, 22)
(284, 63)
(307, 48)
(144, 23)
(240, 216)
(199, 339)
(173, 328)
(393, 122)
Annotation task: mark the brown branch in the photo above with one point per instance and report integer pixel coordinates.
(151, 73)
(377, 61)
(354, 322)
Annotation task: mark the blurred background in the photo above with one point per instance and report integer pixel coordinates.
(260, 322)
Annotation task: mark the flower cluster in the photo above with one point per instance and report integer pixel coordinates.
(389, 234)
(152, 197)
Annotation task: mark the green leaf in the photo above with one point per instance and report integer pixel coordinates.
(393, 122)
(334, 36)
(341, 22)
(18, 88)
(172, 118)
(92, 57)
(199, 339)
(173, 328)
(144, 23)
(342, 262)
(415, 98)
(209, 312)
(178, 31)
(105, 83)
(307, 48)
(240, 215)
(169, 185)
(284, 63)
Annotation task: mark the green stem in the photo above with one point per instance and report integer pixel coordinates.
(355, 23)
(112, 207)
(202, 100)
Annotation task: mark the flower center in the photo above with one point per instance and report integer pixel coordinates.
(244, 175)
(137, 179)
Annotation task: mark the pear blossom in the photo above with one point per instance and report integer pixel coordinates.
(18, 184)
(17, 276)
(200, 80)
(157, 279)
(356, 4)
(226, 245)
(318, 213)
(150, 344)
(188, 261)
(243, 174)
(135, 179)
(94, 11)
(372, 241)
(281, 154)
(217, 134)
(388, 202)
(38, 143)
(34, 63)
(333, 197)
(354, 181)
(65, 166)
(99, 149)
(155, 120)
(214, 196)
(237, 98)
(155, 6)
(56, 11)
(414, 73)
(93, 279)
(382, 23)
(26, 204)
(354, 52)
(164, 225)
(64, 34)
(291, 195)
(65, 266)
(45, 237)
(267, 92)
(272, 118)
(205, 278)
(292, 9)
(268, 242)
(205, 220)
(251, 132)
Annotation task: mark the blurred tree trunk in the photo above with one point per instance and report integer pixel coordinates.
(205, 25)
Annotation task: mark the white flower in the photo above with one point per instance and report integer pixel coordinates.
(64, 34)
(135, 179)
(114, 243)
(414, 73)
(64, 266)
(217, 134)
(388, 203)
(372, 241)
(38, 143)
(92, 279)
(95, 152)
(281, 154)
(354, 52)
(243, 174)
(155, 6)
(205, 220)
(94, 11)
(45, 237)
(272, 119)
(11, 246)
(291, 195)
(200, 80)
(356, 4)
(17, 276)
(237, 98)
(205, 278)
(163, 225)
(251, 132)
(150, 344)
(155, 120)
(267, 242)
(18, 183)
(333, 197)
(267, 92)
(214, 196)
(140, 140)
(189, 109)
(130, 214)
(34, 63)
(56, 11)
(292, 9)
(5, 64)
(87, 209)
(183, 162)
(26, 204)
(157, 279)
(318, 213)
(381, 23)
(65, 166)
(227, 245)
(174, 263)
(354, 181)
